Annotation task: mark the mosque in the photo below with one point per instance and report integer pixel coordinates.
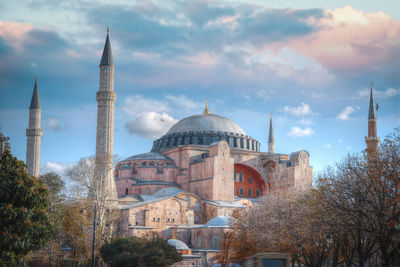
(187, 186)
(195, 175)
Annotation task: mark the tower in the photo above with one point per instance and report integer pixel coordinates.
(34, 133)
(105, 125)
(372, 140)
(271, 142)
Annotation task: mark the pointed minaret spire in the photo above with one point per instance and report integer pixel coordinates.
(206, 110)
(372, 140)
(34, 133)
(107, 58)
(105, 125)
(372, 111)
(271, 142)
(35, 101)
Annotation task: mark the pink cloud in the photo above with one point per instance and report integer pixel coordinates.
(14, 33)
(351, 39)
(204, 59)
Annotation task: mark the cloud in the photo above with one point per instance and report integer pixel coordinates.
(302, 110)
(183, 101)
(137, 104)
(306, 122)
(389, 92)
(296, 131)
(352, 40)
(53, 124)
(150, 124)
(277, 25)
(345, 113)
(56, 167)
(327, 145)
(14, 33)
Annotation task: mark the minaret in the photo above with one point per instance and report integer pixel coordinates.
(372, 139)
(105, 124)
(34, 133)
(271, 142)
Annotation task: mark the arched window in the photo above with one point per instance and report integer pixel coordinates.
(147, 191)
(249, 180)
(257, 192)
(187, 202)
(196, 206)
(249, 192)
(241, 177)
(241, 191)
(126, 191)
(215, 241)
(198, 241)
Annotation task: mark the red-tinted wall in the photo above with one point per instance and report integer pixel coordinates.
(255, 184)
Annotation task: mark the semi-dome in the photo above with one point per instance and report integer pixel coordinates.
(206, 123)
(220, 221)
(149, 156)
(205, 129)
(177, 244)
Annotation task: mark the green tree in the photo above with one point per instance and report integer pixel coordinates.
(24, 222)
(55, 189)
(137, 252)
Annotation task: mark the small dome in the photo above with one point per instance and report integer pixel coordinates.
(220, 221)
(166, 192)
(177, 244)
(206, 123)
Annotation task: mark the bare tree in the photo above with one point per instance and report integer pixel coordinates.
(364, 193)
(88, 185)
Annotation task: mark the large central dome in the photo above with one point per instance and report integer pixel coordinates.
(205, 129)
(206, 123)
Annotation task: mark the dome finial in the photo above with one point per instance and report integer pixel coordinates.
(206, 111)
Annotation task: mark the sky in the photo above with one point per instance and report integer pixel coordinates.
(309, 63)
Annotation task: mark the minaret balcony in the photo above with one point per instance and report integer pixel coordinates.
(106, 96)
(34, 132)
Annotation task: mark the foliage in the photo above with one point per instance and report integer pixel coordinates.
(55, 188)
(239, 242)
(24, 222)
(351, 217)
(137, 252)
(83, 175)
(75, 229)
